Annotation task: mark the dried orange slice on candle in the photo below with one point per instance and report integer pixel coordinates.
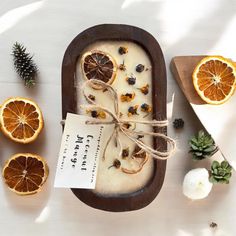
(21, 119)
(214, 79)
(25, 173)
(99, 65)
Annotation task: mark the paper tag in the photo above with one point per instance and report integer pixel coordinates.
(79, 153)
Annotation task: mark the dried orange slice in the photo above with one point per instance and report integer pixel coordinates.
(214, 79)
(25, 173)
(99, 65)
(21, 119)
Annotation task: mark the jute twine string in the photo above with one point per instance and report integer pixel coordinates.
(120, 124)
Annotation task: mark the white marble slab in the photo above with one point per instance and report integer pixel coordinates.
(220, 122)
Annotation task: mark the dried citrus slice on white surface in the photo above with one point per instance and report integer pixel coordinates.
(99, 65)
(21, 119)
(25, 173)
(214, 79)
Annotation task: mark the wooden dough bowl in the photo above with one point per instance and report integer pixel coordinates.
(144, 196)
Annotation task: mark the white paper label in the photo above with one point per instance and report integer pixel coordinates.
(79, 153)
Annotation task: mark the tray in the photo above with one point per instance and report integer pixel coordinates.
(144, 196)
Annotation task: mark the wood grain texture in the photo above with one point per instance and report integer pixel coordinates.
(182, 68)
(142, 197)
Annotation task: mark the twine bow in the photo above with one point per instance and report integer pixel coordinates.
(120, 124)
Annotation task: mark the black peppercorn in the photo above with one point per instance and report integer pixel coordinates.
(131, 80)
(178, 123)
(140, 68)
(94, 114)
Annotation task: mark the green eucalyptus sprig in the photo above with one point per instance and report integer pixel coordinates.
(202, 146)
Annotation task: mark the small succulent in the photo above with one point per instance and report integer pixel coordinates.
(202, 146)
(220, 172)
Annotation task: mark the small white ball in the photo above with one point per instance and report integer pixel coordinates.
(196, 184)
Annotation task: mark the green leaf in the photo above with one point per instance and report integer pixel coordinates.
(227, 176)
(218, 177)
(212, 180)
(210, 149)
(201, 134)
(194, 140)
(206, 145)
(194, 147)
(224, 164)
(215, 164)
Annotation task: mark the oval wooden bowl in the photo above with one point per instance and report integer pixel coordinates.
(144, 196)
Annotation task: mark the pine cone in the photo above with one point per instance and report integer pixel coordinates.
(220, 172)
(202, 146)
(24, 64)
(178, 123)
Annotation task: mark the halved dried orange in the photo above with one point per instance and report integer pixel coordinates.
(99, 65)
(25, 173)
(214, 79)
(21, 119)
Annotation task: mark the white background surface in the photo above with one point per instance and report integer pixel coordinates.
(46, 27)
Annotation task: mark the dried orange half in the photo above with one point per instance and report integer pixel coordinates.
(214, 79)
(25, 173)
(99, 65)
(21, 119)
